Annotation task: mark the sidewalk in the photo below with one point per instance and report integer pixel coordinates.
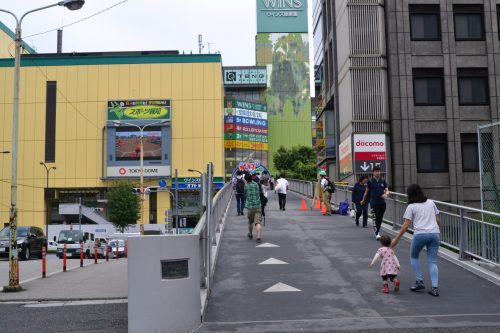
(326, 282)
(106, 280)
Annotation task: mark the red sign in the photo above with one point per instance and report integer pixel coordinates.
(369, 156)
(245, 129)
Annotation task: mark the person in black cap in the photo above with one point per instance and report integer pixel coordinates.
(378, 192)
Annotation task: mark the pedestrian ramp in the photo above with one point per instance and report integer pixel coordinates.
(311, 273)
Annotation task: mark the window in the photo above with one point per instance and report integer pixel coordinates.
(469, 22)
(473, 86)
(428, 86)
(425, 23)
(432, 153)
(470, 154)
(50, 121)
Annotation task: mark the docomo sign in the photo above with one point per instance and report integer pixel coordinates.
(369, 147)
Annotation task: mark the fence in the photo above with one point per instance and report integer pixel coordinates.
(209, 229)
(463, 229)
(489, 165)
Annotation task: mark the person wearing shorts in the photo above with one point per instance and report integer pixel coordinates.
(253, 206)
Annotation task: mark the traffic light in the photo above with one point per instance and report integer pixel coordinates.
(136, 190)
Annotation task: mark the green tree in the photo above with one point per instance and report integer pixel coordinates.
(298, 162)
(123, 205)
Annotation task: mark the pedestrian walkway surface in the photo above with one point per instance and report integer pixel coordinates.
(311, 273)
(104, 281)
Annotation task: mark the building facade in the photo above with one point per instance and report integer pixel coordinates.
(82, 113)
(419, 77)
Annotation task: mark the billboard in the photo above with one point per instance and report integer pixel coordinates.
(345, 158)
(139, 109)
(245, 125)
(281, 16)
(236, 76)
(369, 150)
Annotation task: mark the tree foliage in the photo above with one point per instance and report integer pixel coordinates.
(123, 205)
(298, 162)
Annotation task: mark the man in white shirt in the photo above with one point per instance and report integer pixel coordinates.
(281, 188)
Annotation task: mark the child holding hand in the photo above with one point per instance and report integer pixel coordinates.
(389, 266)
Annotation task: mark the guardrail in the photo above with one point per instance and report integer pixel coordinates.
(209, 229)
(464, 229)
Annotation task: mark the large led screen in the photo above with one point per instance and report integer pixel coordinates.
(128, 144)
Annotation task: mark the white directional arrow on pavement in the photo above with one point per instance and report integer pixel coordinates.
(280, 287)
(267, 245)
(273, 261)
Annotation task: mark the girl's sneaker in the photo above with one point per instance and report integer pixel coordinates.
(396, 284)
(386, 289)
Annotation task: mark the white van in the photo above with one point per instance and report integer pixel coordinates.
(72, 239)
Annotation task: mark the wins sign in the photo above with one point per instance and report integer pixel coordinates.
(281, 16)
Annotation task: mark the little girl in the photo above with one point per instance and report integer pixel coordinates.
(389, 266)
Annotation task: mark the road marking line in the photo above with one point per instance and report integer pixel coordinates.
(280, 287)
(267, 245)
(73, 303)
(273, 261)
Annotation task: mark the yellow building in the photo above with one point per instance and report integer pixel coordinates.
(67, 106)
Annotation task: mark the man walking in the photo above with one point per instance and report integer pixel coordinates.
(253, 206)
(328, 189)
(281, 188)
(378, 192)
(239, 190)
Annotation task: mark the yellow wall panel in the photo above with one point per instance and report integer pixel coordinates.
(83, 92)
(145, 81)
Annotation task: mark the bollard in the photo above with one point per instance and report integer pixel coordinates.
(126, 248)
(44, 262)
(117, 256)
(95, 252)
(81, 254)
(64, 258)
(107, 250)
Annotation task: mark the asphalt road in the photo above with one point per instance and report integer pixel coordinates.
(104, 318)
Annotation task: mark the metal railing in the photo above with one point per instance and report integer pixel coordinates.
(473, 233)
(209, 228)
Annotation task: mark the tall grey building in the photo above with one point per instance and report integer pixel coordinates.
(424, 73)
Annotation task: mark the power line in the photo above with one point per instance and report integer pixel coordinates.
(83, 19)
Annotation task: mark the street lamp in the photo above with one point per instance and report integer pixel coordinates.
(118, 123)
(13, 257)
(47, 169)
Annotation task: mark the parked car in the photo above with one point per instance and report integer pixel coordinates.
(72, 240)
(52, 246)
(30, 241)
(112, 244)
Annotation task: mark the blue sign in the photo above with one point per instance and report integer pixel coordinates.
(185, 231)
(162, 183)
(195, 186)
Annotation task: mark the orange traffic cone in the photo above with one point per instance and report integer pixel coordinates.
(303, 204)
(317, 206)
(323, 209)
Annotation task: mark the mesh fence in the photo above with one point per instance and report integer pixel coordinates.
(489, 166)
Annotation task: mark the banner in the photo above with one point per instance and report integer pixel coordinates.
(139, 110)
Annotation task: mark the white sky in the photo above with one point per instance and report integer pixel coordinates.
(227, 26)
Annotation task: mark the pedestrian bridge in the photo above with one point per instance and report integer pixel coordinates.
(311, 273)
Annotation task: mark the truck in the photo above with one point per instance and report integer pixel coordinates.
(72, 240)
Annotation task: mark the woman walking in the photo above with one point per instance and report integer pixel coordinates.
(425, 217)
(358, 192)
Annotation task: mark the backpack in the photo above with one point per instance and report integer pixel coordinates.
(263, 199)
(330, 187)
(240, 186)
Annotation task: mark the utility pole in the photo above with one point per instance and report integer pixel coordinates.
(200, 43)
